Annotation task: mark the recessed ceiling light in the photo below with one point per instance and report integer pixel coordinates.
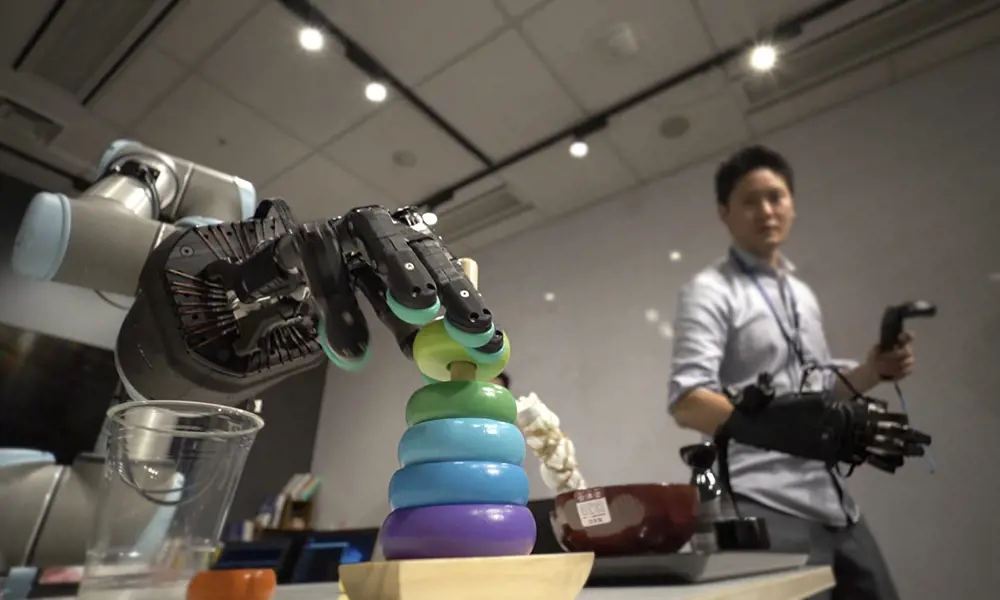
(376, 91)
(430, 219)
(549, 297)
(404, 158)
(674, 127)
(652, 315)
(579, 149)
(763, 57)
(675, 256)
(666, 330)
(311, 39)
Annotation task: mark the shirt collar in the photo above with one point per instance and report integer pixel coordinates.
(784, 265)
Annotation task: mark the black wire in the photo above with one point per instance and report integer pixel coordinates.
(102, 296)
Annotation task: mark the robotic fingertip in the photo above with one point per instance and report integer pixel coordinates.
(492, 352)
(468, 339)
(352, 364)
(413, 316)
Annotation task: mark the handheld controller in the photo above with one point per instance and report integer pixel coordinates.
(895, 317)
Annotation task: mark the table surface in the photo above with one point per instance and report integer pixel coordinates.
(788, 585)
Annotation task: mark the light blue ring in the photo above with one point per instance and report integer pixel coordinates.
(465, 482)
(446, 440)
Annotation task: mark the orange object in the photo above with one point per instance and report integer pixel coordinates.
(236, 584)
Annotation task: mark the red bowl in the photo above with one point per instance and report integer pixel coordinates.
(618, 520)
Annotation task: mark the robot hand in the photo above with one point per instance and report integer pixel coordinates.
(226, 310)
(810, 425)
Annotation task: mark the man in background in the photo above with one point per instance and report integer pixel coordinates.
(749, 315)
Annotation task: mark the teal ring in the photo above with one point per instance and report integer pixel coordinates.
(413, 316)
(449, 440)
(469, 340)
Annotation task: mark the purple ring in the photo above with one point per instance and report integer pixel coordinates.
(458, 531)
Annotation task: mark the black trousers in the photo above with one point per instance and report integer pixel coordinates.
(851, 551)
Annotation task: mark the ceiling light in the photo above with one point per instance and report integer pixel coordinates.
(311, 39)
(675, 256)
(376, 91)
(763, 57)
(549, 296)
(579, 149)
(430, 219)
(652, 315)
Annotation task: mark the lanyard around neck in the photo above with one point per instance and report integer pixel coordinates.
(793, 338)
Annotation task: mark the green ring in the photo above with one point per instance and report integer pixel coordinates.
(435, 351)
(347, 364)
(469, 340)
(461, 399)
(413, 316)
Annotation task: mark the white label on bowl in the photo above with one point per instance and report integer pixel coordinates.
(593, 512)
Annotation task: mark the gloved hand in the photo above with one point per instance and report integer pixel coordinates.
(813, 426)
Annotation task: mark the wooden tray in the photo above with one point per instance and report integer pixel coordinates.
(533, 577)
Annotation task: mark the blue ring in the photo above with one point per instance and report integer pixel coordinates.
(413, 316)
(448, 440)
(467, 482)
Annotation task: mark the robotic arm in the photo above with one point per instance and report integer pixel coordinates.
(230, 300)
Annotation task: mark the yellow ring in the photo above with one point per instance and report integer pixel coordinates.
(434, 351)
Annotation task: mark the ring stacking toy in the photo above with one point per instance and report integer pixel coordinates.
(460, 494)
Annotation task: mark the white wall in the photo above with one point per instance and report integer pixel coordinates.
(898, 199)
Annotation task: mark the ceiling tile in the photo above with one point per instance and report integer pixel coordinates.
(500, 231)
(85, 140)
(732, 23)
(368, 150)
(516, 8)
(946, 45)
(415, 39)
(501, 97)
(200, 123)
(196, 26)
(149, 76)
(313, 96)
(556, 182)
(20, 20)
(714, 124)
(814, 100)
(574, 37)
(318, 189)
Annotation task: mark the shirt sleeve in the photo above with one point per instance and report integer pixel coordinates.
(701, 327)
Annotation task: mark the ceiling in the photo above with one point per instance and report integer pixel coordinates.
(227, 84)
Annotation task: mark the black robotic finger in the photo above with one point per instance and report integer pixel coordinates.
(467, 319)
(343, 330)
(374, 290)
(411, 290)
(887, 463)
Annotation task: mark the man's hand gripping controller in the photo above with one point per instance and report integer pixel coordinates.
(811, 425)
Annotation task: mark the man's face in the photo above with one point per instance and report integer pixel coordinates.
(760, 212)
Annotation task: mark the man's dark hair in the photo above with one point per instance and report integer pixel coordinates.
(505, 378)
(743, 162)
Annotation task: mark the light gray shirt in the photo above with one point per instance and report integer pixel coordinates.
(725, 335)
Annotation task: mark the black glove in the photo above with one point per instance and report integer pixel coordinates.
(812, 426)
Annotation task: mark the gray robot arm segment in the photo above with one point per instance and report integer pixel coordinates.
(101, 238)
